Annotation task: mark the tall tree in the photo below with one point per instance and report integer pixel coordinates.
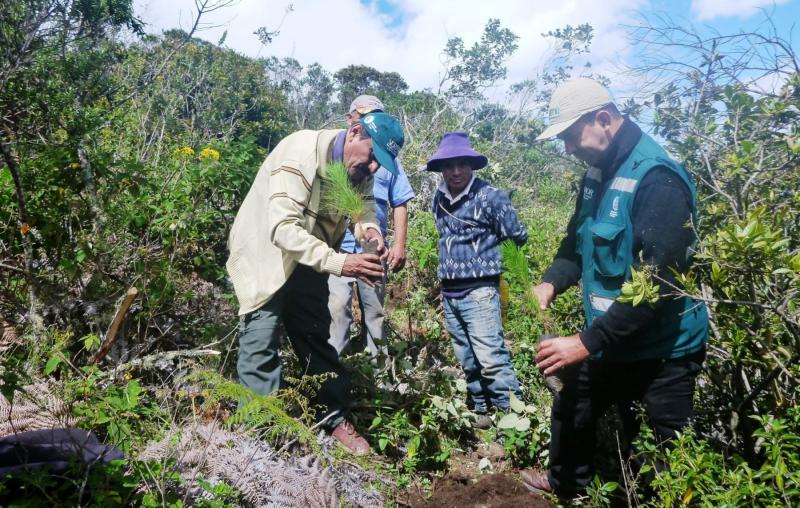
(309, 91)
(355, 80)
(469, 71)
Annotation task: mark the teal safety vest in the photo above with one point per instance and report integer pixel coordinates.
(605, 244)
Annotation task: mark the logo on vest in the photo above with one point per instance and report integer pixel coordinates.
(588, 193)
(614, 208)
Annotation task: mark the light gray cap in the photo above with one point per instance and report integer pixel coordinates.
(364, 104)
(570, 101)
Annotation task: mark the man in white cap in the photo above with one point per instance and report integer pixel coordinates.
(633, 212)
(391, 189)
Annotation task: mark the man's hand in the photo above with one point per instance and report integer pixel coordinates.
(544, 292)
(553, 355)
(397, 257)
(372, 234)
(365, 267)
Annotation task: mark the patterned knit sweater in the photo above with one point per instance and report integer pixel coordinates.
(471, 229)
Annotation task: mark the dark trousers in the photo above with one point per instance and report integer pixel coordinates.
(301, 305)
(663, 388)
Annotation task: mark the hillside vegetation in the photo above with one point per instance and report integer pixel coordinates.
(125, 157)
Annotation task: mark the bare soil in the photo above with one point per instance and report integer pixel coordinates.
(499, 490)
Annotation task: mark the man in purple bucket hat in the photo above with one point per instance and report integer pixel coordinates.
(473, 218)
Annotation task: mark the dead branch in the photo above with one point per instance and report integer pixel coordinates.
(150, 361)
(111, 334)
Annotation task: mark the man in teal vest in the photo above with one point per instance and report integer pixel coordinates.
(635, 211)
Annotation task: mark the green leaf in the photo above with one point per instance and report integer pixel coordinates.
(90, 341)
(516, 405)
(509, 421)
(523, 424)
(132, 392)
(52, 363)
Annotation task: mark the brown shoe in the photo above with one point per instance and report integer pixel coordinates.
(536, 480)
(349, 437)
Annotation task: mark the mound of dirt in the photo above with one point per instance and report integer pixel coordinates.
(489, 491)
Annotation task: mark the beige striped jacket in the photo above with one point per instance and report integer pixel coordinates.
(280, 225)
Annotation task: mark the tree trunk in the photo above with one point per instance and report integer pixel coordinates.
(23, 223)
(98, 217)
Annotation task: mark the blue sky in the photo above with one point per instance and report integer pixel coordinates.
(408, 36)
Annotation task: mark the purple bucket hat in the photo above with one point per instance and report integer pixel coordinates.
(452, 146)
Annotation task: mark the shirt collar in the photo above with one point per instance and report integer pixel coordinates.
(621, 146)
(444, 190)
(338, 147)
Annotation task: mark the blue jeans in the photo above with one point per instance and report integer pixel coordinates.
(341, 309)
(477, 335)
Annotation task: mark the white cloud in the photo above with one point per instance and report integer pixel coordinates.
(706, 10)
(344, 32)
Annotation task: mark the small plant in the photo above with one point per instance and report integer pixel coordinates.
(521, 439)
(119, 411)
(640, 288)
(599, 493)
(517, 419)
(269, 412)
(338, 194)
(515, 263)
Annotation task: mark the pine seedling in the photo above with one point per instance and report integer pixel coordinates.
(338, 194)
(515, 264)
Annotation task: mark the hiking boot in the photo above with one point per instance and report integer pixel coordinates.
(536, 480)
(482, 421)
(349, 437)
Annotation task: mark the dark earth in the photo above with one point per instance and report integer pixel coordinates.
(499, 490)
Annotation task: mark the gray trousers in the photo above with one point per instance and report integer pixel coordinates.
(301, 305)
(340, 306)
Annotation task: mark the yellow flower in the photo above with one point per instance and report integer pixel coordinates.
(185, 151)
(209, 153)
(75, 165)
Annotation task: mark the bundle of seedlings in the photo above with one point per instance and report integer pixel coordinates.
(341, 197)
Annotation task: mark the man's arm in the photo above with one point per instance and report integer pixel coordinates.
(399, 194)
(397, 252)
(506, 222)
(290, 191)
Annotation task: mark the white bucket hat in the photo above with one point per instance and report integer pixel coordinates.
(570, 101)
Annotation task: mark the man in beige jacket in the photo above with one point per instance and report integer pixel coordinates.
(283, 248)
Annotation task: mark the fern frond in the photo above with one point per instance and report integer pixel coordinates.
(267, 412)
